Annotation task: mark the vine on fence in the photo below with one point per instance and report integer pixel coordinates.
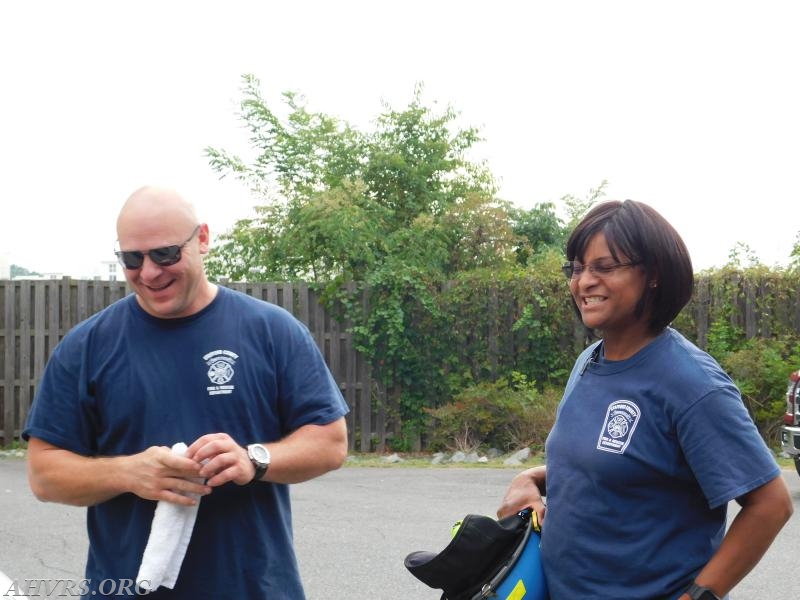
(473, 338)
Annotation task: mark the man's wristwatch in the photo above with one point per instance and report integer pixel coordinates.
(698, 592)
(259, 456)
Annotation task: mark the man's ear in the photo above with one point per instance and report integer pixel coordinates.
(204, 237)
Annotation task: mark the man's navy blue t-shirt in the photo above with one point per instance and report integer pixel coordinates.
(123, 381)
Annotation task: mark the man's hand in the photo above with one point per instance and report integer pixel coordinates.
(160, 474)
(227, 460)
(307, 452)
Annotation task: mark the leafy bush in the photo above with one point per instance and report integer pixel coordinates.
(502, 414)
(761, 369)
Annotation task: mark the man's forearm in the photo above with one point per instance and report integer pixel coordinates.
(309, 452)
(58, 475)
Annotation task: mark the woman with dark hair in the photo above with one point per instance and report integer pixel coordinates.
(651, 439)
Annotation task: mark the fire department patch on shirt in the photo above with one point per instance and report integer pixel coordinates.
(620, 423)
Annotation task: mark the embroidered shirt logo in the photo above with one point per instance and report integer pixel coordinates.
(220, 371)
(620, 423)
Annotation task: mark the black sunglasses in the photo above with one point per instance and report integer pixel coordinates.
(163, 257)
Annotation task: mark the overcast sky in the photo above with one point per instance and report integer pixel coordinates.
(690, 106)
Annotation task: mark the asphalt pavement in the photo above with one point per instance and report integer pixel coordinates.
(353, 528)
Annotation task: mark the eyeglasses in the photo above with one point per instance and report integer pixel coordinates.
(163, 257)
(573, 269)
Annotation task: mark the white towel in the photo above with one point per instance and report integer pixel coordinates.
(169, 537)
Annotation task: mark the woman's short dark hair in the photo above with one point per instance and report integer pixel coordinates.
(641, 234)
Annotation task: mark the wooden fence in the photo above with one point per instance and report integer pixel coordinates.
(35, 315)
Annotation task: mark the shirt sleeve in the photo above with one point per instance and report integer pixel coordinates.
(723, 447)
(308, 392)
(63, 412)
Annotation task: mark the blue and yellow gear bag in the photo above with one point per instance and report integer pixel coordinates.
(486, 558)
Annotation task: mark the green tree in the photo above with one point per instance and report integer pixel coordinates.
(393, 212)
(794, 255)
(577, 207)
(540, 228)
(542, 232)
(742, 256)
(17, 271)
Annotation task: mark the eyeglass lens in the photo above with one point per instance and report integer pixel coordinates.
(572, 269)
(163, 257)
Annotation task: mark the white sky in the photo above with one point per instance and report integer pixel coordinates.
(690, 106)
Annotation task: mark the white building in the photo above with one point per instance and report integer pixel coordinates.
(106, 270)
(42, 277)
(110, 270)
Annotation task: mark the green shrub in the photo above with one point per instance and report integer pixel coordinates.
(761, 369)
(502, 414)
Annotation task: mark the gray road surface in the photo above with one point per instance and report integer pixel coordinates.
(353, 528)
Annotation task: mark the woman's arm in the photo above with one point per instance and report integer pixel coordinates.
(764, 512)
(526, 489)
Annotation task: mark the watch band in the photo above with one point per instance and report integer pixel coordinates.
(699, 592)
(259, 473)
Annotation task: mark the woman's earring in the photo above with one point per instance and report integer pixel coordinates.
(653, 284)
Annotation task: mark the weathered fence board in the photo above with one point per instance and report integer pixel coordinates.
(37, 314)
(9, 356)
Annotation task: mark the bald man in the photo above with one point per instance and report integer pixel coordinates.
(240, 381)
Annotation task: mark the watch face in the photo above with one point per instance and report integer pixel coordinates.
(259, 453)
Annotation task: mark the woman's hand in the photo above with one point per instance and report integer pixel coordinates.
(526, 490)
